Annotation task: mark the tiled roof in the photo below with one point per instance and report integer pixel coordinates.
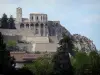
(22, 56)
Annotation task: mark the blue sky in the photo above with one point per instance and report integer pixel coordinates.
(78, 16)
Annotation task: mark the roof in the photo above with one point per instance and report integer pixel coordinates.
(22, 56)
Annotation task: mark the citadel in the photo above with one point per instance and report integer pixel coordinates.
(34, 31)
(37, 33)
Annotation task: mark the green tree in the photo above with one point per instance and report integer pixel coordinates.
(94, 59)
(4, 23)
(80, 63)
(86, 64)
(11, 23)
(41, 66)
(61, 60)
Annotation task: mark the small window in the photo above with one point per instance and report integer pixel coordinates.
(37, 17)
(32, 17)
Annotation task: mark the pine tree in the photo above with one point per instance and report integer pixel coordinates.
(4, 23)
(11, 23)
(62, 64)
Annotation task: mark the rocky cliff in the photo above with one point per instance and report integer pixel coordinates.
(57, 29)
(81, 42)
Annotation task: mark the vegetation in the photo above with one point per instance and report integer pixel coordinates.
(4, 23)
(11, 43)
(42, 66)
(86, 64)
(61, 60)
(11, 23)
(59, 64)
(6, 61)
(7, 23)
(81, 64)
(37, 52)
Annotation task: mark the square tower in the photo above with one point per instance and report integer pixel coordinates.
(19, 15)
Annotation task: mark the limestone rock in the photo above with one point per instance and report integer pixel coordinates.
(83, 43)
(57, 30)
(80, 42)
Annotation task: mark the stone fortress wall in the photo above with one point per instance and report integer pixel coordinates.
(33, 30)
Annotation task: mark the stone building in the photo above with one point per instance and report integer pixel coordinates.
(37, 23)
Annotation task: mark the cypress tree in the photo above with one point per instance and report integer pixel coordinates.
(11, 23)
(61, 60)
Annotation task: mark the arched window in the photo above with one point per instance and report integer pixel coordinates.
(21, 25)
(32, 26)
(36, 25)
(27, 25)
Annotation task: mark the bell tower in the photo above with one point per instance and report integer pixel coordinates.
(19, 15)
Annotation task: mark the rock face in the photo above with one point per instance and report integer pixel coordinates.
(82, 43)
(57, 30)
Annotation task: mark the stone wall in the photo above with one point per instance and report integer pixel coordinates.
(48, 47)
